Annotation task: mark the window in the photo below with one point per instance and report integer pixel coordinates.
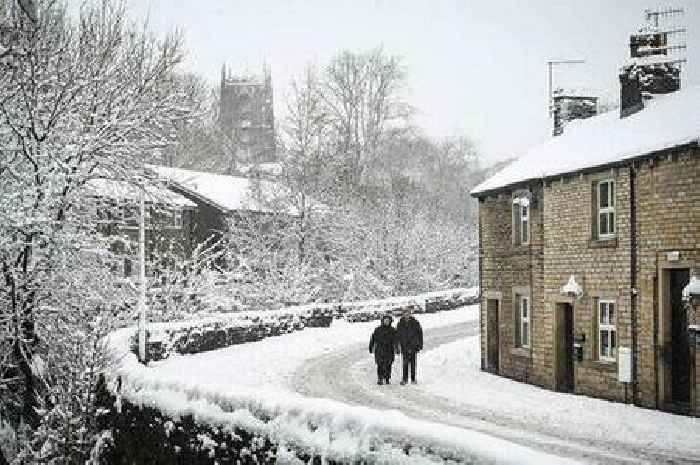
(524, 221)
(521, 221)
(607, 334)
(128, 269)
(606, 208)
(523, 303)
(177, 218)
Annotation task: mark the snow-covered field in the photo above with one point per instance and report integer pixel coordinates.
(452, 371)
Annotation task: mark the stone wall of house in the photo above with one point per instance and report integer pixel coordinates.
(601, 267)
(668, 235)
(505, 267)
(667, 193)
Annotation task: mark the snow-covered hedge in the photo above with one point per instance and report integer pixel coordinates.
(311, 427)
(428, 302)
(216, 331)
(169, 440)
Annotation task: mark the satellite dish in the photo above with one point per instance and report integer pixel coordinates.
(29, 8)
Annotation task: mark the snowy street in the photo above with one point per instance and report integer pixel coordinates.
(334, 364)
(479, 401)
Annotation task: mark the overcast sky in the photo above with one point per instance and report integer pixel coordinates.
(474, 67)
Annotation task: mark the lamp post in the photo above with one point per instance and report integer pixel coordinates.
(142, 275)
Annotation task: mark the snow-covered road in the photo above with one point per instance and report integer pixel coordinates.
(348, 375)
(333, 363)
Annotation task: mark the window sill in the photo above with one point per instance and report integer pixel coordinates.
(606, 243)
(520, 352)
(605, 365)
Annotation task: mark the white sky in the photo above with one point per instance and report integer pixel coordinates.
(474, 67)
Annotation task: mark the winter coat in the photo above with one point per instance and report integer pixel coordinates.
(383, 344)
(410, 335)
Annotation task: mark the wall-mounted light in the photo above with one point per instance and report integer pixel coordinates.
(572, 288)
(692, 290)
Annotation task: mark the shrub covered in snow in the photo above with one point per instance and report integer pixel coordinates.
(216, 331)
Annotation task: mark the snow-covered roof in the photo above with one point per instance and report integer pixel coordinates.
(666, 122)
(122, 190)
(228, 193)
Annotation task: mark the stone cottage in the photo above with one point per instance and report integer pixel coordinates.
(586, 244)
(219, 198)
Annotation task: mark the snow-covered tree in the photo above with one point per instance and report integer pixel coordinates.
(80, 98)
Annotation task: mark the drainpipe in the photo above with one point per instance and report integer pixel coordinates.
(482, 303)
(633, 276)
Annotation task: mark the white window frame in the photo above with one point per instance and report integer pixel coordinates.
(524, 224)
(607, 325)
(524, 317)
(177, 218)
(610, 209)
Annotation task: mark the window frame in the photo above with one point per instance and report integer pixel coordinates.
(524, 320)
(524, 216)
(521, 218)
(608, 210)
(609, 327)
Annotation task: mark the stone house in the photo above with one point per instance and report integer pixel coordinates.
(169, 218)
(586, 244)
(220, 198)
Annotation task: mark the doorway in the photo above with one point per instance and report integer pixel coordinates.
(677, 348)
(492, 339)
(564, 377)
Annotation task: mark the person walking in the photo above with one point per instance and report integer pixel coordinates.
(384, 344)
(410, 336)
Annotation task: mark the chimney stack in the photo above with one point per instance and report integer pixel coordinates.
(631, 99)
(653, 71)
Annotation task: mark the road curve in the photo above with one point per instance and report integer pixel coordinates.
(348, 375)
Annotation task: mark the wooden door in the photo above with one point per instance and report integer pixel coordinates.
(492, 336)
(564, 347)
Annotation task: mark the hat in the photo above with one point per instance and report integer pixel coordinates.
(387, 316)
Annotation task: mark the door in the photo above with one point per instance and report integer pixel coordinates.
(564, 347)
(493, 355)
(680, 342)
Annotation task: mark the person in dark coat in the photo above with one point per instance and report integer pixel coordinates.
(410, 335)
(384, 344)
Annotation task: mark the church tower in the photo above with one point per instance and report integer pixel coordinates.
(246, 114)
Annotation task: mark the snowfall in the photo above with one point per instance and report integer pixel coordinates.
(314, 390)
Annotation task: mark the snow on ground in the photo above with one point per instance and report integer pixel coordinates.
(244, 384)
(273, 361)
(452, 371)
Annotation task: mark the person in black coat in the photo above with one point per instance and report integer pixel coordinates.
(410, 335)
(384, 344)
